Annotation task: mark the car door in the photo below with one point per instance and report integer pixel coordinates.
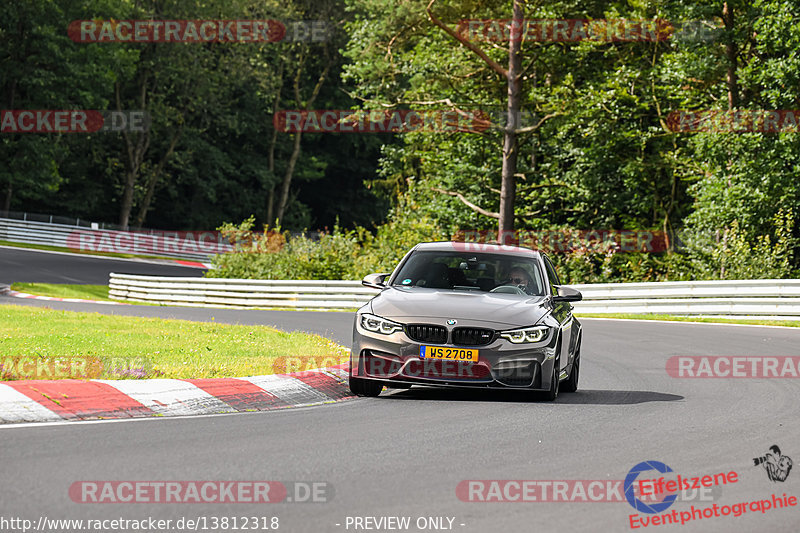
(562, 311)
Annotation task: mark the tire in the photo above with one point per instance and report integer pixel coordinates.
(571, 384)
(365, 387)
(552, 394)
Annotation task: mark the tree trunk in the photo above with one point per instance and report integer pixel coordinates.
(7, 202)
(270, 206)
(151, 184)
(271, 154)
(127, 199)
(135, 149)
(508, 187)
(731, 51)
(12, 94)
(287, 178)
(148, 199)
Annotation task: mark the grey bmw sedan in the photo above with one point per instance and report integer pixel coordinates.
(457, 314)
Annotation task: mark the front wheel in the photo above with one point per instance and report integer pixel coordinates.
(571, 384)
(365, 387)
(552, 394)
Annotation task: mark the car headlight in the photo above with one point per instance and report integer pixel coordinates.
(377, 324)
(525, 335)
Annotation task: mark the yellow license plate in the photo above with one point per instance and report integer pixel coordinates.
(451, 354)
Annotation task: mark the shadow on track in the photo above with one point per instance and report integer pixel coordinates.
(582, 397)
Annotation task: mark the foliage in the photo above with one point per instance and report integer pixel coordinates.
(734, 253)
(339, 254)
(270, 255)
(596, 151)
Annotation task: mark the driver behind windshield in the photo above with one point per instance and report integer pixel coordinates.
(519, 277)
(474, 271)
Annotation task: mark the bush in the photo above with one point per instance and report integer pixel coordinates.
(734, 253)
(352, 254)
(332, 256)
(340, 254)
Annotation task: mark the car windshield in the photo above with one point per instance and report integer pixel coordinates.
(472, 271)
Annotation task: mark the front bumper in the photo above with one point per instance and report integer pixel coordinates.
(395, 358)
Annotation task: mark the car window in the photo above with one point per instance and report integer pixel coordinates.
(551, 273)
(471, 271)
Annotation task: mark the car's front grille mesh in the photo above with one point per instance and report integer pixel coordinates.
(472, 336)
(427, 333)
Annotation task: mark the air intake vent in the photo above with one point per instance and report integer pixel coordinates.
(427, 333)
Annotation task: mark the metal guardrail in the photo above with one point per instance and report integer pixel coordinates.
(201, 292)
(179, 245)
(766, 298)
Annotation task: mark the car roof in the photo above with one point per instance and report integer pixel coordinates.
(477, 247)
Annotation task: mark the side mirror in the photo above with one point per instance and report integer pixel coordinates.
(375, 281)
(567, 294)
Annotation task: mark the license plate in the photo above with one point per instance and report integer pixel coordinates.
(451, 354)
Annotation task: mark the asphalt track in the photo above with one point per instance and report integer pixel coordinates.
(19, 265)
(404, 454)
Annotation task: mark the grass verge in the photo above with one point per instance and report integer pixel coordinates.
(60, 290)
(671, 318)
(40, 343)
(100, 292)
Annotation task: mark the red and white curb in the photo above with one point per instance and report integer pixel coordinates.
(196, 264)
(69, 400)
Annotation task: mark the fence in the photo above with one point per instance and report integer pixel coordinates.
(240, 292)
(766, 298)
(180, 245)
(56, 219)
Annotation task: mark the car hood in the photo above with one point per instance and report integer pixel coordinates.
(409, 304)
